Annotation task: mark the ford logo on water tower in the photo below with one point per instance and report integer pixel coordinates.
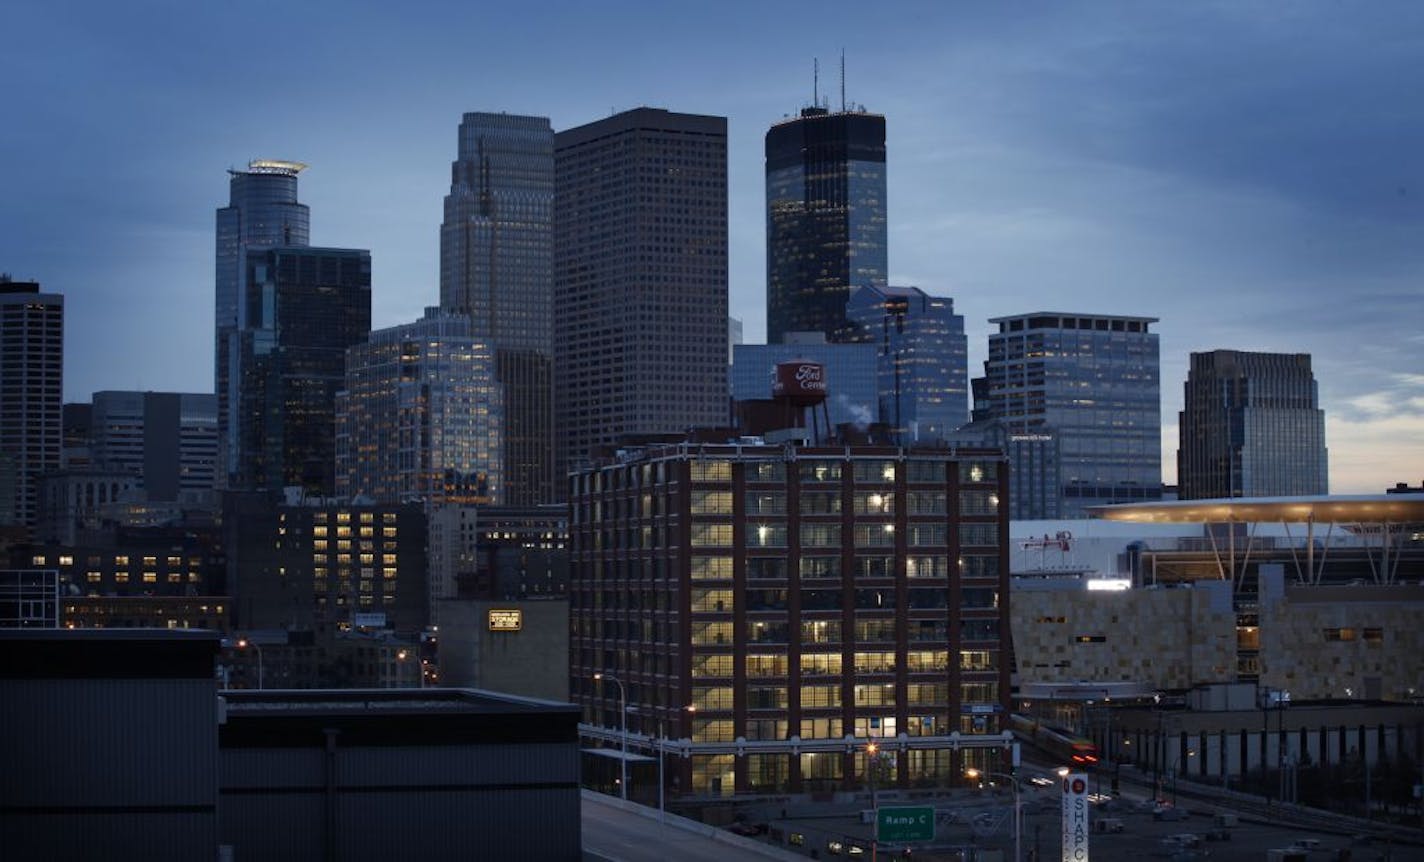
(799, 381)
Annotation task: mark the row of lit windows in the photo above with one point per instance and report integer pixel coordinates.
(829, 664)
(721, 698)
(95, 577)
(809, 470)
(119, 560)
(345, 518)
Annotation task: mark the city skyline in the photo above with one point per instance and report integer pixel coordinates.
(1246, 174)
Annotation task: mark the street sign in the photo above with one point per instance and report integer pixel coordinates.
(899, 825)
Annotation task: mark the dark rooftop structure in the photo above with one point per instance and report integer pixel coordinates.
(129, 750)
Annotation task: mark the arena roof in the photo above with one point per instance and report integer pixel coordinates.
(1365, 508)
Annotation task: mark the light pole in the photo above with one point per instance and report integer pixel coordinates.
(1018, 808)
(662, 755)
(623, 729)
(419, 664)
(244, 643)
(872, 761)
(1176, 764)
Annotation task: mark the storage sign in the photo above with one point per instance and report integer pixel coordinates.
(505, 620)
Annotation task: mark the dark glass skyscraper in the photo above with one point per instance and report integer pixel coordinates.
(922, 359)
(496, 265)
(301, 308)
(1252, 427)
(262, 212)
(825, 219)
(640, 290)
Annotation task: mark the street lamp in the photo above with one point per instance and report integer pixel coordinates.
(1018, 806)
(419, 664)
(244, 643)
(872, 763)
(662, 755)
(623, 731)
(1176, 762)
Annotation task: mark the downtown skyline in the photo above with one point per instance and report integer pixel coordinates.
(1249, 176)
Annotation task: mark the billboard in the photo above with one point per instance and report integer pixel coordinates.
(1075, 817)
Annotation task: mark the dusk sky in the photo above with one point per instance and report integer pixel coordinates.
(1250, 173)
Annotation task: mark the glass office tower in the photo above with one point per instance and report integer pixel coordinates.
(922, 359)
(496, 265)
(421, 416)
(1094, 381)
(825, 219)
(262, 213)
(1252, 427)
(301, 308)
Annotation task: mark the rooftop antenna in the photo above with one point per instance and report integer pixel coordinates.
(815, 82)
(842, 79)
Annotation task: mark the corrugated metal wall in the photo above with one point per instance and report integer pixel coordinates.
(515, 801)
(108, 768)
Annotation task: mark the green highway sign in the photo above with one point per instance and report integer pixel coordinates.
(898, 825)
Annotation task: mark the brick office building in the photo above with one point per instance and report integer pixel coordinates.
(773, 608)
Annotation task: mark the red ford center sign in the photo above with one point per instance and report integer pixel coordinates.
(1075, 817)
(802, 382)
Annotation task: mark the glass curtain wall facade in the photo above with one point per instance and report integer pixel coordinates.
(825, 219)
(262, 213)
(850, 375)
(640, 291)
(302, 308)
(1094, 384)
(1252, 427)
(496, 265)
(31, 395)
(421, 416)
(811, 592)
(923, 363)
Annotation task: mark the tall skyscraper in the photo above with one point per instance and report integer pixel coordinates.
(301, 308)
(1094, 382)
(923, 359)
(262, 212)
(1252, 427)
(168, 439)
(31, 393)
(640, 287)
(421, 416)
(496, 265)
(825, 218)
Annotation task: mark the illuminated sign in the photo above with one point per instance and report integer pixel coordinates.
(506, 620)
(1075, 817)
(1109, 585)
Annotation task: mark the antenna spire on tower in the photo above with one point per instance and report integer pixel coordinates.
(815, 82)
(843, 104)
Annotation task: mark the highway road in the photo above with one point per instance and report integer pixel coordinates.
(612, 834)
